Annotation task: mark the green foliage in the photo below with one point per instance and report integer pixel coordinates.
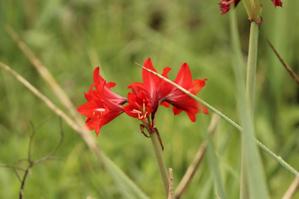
(71, 37)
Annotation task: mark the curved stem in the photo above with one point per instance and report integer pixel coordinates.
(24, 178)
(160, 160)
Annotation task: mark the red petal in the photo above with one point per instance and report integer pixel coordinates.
(110, 84)
(165, 104)
(204, 109)
(166, 71)
(198, 84)
(102, 104)
(184, 76)
(225, 5)
(181, 101)
(192, 116)
(176, 110)
(277, 3)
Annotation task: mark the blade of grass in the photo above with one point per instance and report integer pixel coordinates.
(125, 184)
(291, 72)
(230, 121)
(252, 168)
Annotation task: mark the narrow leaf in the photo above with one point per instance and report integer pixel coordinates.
(253, 171)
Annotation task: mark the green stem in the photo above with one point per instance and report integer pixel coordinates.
(252, 182)
(250, 94)
(160, 160)
(254, 175)
(251, 64)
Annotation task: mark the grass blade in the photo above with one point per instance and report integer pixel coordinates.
(252, 168)
(291, 72)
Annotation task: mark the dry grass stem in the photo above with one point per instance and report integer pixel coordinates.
(293, 188)
(192, 169)
(291, 72)
(44, 73)
(58, 91)
(41, 96)
(83, 132)
(170, 184)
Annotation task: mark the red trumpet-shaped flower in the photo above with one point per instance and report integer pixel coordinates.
(139, 103)
(102, 104)
(277, 3)
(146, 97)
(181, 101)
(225, 5)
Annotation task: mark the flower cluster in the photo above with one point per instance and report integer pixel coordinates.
(103, 105)
(225, 5)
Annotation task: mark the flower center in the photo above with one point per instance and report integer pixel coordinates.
(141, 114)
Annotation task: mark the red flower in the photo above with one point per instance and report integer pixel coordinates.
(225, 5)
(182, 102)
(145, 97)
(102, 104)
(139, 103)
(277, 3)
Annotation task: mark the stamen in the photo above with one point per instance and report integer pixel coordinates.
(100, 110)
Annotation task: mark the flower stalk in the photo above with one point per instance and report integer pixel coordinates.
(251, 63)
(159, 155)
(250, 95)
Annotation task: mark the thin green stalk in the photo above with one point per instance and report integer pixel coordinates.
(239, 69)
(251, 64)
(252, 182)
(255, 175)
(160, 160)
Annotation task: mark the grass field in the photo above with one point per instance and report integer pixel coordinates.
(72, 37)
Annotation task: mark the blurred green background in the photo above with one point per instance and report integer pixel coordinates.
(72, 37)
